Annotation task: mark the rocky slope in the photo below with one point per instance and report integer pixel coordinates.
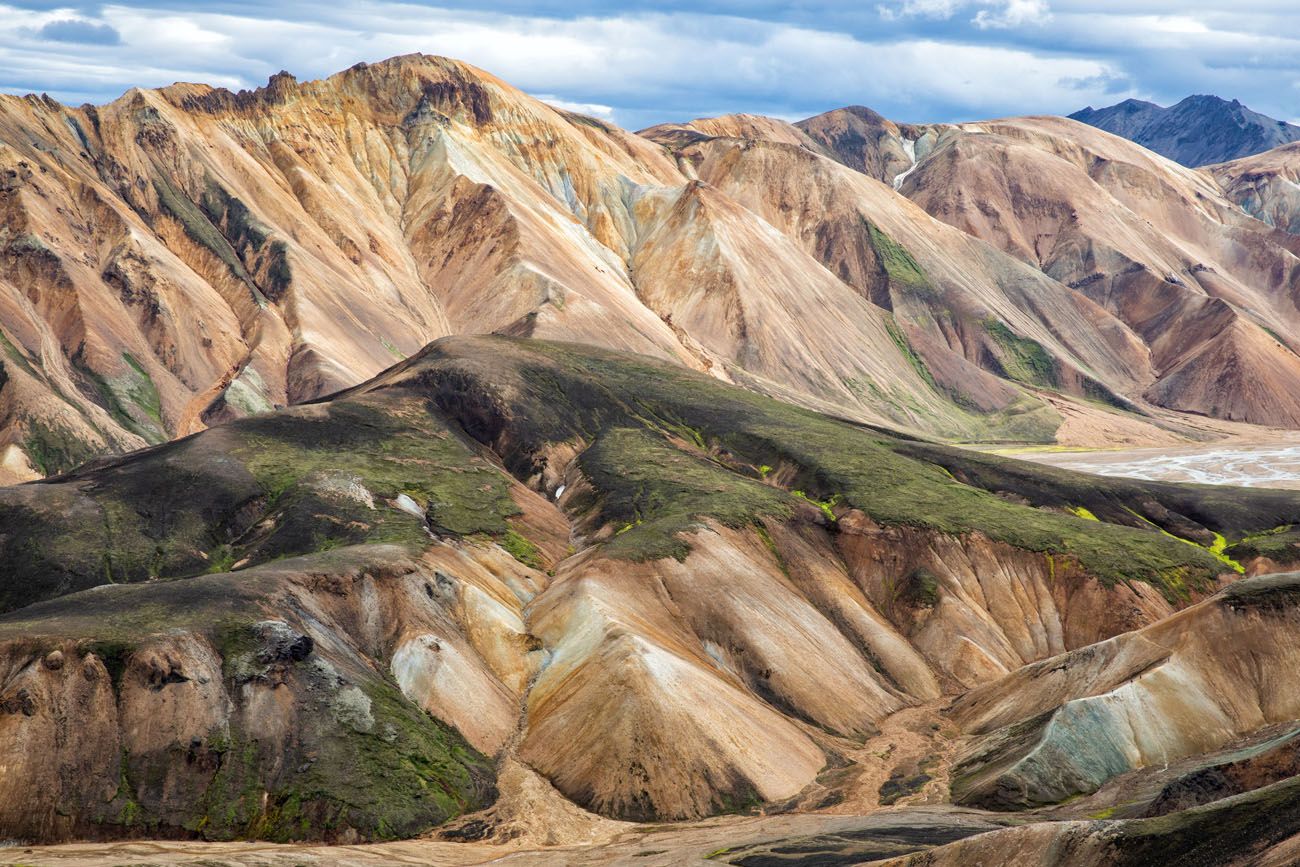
(185, 256)
(1266, 186)
(668, 596)
(1192, 293)
(1197, 131)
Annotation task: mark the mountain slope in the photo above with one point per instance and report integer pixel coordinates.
(596, 563)
(1160, 287)
(185, 256)
(1266, 186)
(1195, 132)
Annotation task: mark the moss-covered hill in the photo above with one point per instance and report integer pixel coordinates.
(667, 447)
(228, 550)
(662, 448)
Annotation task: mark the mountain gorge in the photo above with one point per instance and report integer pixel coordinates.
(403, 457)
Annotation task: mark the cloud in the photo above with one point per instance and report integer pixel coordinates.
(994, 14)
(77, 30)
(942, 9)
(594, 109)
(1013, 13)
(644, 62)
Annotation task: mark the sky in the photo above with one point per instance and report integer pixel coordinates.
(638, 63)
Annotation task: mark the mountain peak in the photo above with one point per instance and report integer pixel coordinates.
(1198, 130)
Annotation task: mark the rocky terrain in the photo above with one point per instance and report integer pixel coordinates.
(1266, 186)
(414, 472)
(518, 579)
(1195, 132)
(184, 256)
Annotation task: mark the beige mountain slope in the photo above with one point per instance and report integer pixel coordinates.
(189, 255)
(960, 303)
(1210, 292)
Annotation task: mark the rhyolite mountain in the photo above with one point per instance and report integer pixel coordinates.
(656, 595)
(1197, 131)
(185, 256)
(408, 457)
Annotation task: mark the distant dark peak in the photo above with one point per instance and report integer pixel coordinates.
(1199, 130)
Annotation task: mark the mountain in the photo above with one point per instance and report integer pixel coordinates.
(1266, 186)
(1195, 132)
(665, 595)
(1158, 262)
(407, 459)
(185, 256)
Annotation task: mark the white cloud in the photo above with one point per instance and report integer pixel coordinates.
(594, 109)
(938, 9)
(941, 59)
(1013, 13)
(994, 14)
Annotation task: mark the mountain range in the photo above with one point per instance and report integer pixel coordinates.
(1198, 131)
(186, 256)
(403, 456)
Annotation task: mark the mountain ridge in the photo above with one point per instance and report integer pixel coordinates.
(1197, 131)
(326, 228)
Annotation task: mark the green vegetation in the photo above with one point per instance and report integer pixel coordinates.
(376, 452)
(397, 777)
(1281, 544)
(53, 449)
(905, 347)
(920, 589)
(897, 263)
(1023, 359)
(200, 230)
(133, 390)
(656, 492)
(827, 507)
(247, 237)
(14, 354)
(142, 391)
(522, 550)
(665, 450)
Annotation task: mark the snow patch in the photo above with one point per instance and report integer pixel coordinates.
(406, 504)
(909, 148)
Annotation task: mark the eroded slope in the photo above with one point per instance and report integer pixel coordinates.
(668, 596)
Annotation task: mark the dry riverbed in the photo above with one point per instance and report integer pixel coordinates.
(1271, 464)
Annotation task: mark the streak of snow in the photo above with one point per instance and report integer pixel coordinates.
(909, 147)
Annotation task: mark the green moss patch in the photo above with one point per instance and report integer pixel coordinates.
(898, 264)
(1023, 359)
(655, 493)
(653, 480)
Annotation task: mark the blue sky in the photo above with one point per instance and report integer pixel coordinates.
(640, 63)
